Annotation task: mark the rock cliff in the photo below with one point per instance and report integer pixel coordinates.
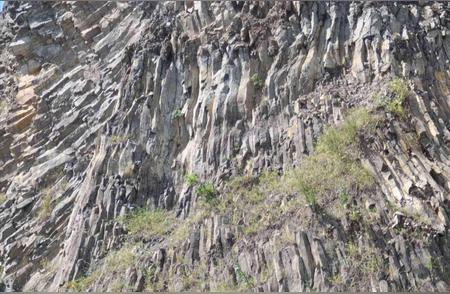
(226, 145)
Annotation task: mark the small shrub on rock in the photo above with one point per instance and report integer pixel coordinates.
(257, 82)
(207, 192)
(177, 113)
(394, 102)
(191, 180)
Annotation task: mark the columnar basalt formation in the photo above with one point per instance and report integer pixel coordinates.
(105, 107)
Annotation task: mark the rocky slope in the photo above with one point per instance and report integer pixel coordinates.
(178, 146)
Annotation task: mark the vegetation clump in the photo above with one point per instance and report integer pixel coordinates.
(335, 168)
(147, 223)
(191, 180)
(181, 232)
(46, 206)
(257, 82)
(177, 113)
(207, 192)
(394, 102)
(3, 198)
(116, 261)
(192, 277)
(434, 265)
(3, 107)
(119, 139)
(243, 280)
(247, 201)
(83, 283)
(254, 203)
(45, 265)
(121, 260)
(343, 140)
(364, 263)
(400, 90)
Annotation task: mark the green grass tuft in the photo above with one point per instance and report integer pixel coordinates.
(3, 198)
(47, 205)
(121, 259)
(244, 281)
(83, 283)
(394, 102)
(343, 140)
(147, 223)
(191, 180)
(335, 167)
(322, 174)
(119, 139)
(401, 91)
(3, 107)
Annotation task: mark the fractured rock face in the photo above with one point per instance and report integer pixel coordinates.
(106, 106)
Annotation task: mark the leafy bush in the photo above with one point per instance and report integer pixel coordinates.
(177, 113)
(207, 192)
(191, 180)
(257, 82)
(147, 223)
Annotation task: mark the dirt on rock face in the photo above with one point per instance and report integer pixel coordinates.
(213, 146)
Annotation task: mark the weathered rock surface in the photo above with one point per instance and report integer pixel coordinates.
(106, 106)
